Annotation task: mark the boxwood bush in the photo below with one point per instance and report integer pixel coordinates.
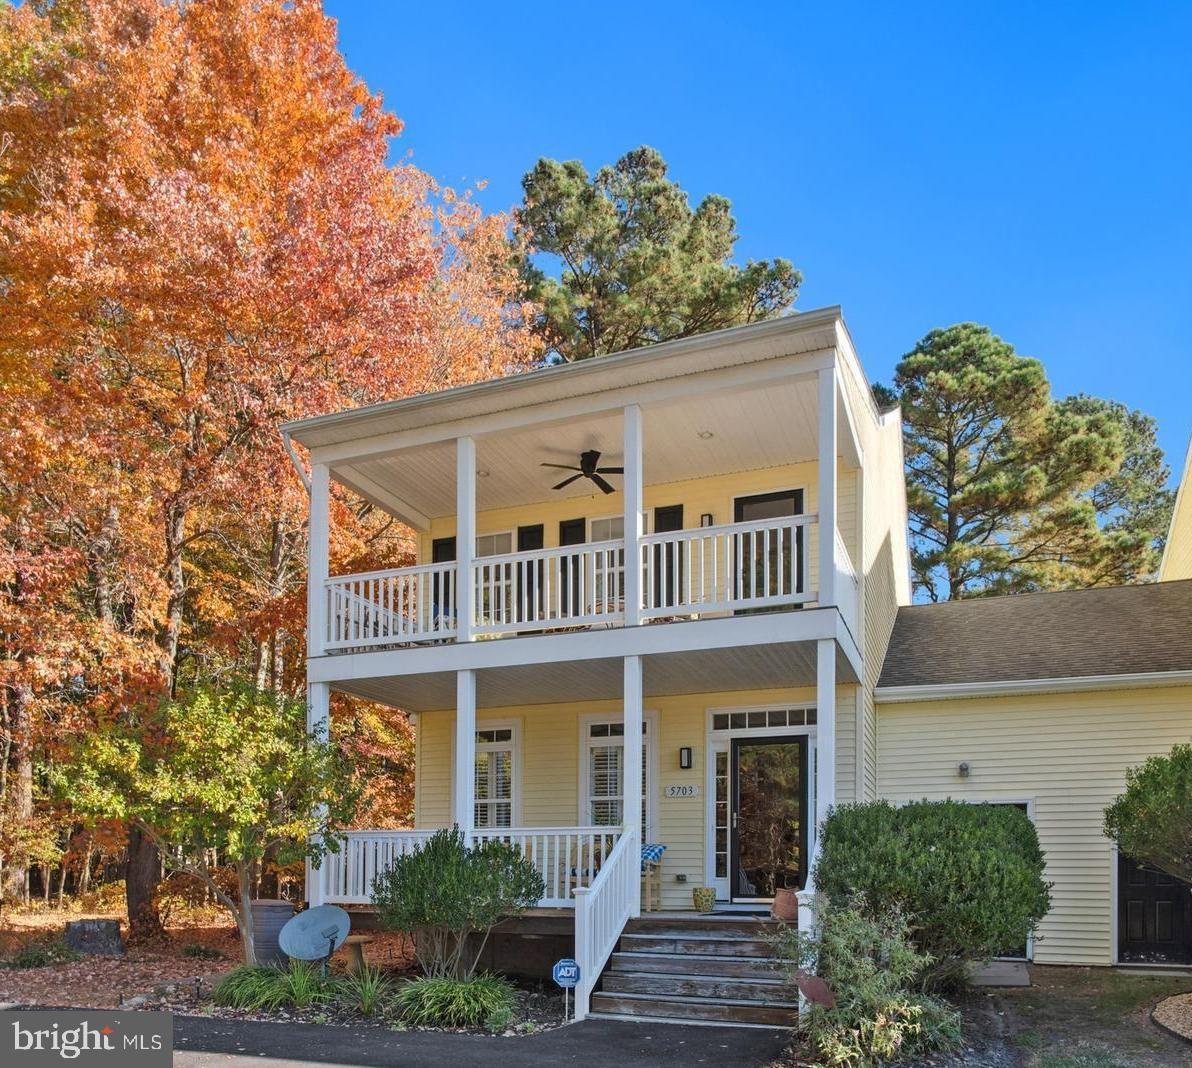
(969, 878)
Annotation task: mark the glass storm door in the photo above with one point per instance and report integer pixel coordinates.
(769, 826)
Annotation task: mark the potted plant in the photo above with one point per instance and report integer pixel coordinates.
(704, 898)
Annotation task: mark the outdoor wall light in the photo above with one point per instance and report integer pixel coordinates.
(964, 769)
(705, 520)
(685, 757)
(705, 435)
(482, 473)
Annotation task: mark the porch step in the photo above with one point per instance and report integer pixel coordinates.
(734, 988)
(701, 969)
(704, 945)
(706, 1010)
(691, 964)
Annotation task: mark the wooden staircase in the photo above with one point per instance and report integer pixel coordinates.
(716, 969)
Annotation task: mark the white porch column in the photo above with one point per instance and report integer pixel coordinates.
(318, 723)
(825, 732)
(465, 536)
(826, 504)
(318, 559)
(632, 430)
(632, 757)
(463, 809)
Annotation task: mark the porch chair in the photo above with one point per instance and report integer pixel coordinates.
(652, 876)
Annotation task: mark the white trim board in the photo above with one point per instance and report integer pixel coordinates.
(889, 695)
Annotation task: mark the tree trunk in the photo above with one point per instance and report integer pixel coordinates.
(140, 884)
(244, 912)
(84, 883)
(20, 786)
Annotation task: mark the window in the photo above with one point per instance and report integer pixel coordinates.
(605, 774)
(608, 566)
(773, 717)
(494, 544)
(610, 528)
(494, 777)
(721, 821)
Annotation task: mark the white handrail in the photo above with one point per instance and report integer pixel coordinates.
(756, 564)
(601, 912)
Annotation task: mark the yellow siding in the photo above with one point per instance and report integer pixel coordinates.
(697, 496)
(1068, 753)
(548, 775)
(1177, 557)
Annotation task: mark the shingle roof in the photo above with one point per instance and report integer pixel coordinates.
(1122, 630)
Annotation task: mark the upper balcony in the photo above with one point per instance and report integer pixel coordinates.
(723, 460)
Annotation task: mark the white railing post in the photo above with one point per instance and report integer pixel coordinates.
(463, 809)
(318, 559)
(826, 505)
(632, 482)
(465, 538)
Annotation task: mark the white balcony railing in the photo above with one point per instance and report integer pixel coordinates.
(545, 589)
(704, 571)
(406, 604)
(735, 566)
(567, 858)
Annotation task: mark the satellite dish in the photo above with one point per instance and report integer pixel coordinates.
(315, 933)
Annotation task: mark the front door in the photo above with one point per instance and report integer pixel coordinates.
(768, 822)
(1154, 916)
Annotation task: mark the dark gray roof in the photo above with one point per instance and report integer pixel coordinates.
(1122, 630)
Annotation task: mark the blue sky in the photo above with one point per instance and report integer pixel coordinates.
(1023, 165)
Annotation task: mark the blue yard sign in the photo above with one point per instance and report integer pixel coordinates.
(565, 973)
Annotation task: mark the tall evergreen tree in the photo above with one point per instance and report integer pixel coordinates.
(637, 265)
(1011, 491)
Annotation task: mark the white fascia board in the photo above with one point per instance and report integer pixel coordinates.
(891, 695)
(702, 383)
(806, 625)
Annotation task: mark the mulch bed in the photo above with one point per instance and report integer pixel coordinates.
(1174, 1014)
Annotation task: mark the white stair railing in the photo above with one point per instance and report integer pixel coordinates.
(601, 912)
(756, 564)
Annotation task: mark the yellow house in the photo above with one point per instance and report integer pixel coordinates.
(1177, 553)
(695, 714)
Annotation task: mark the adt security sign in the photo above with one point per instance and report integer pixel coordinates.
(565, 973)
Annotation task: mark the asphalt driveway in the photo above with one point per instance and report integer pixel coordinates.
(204, 1041)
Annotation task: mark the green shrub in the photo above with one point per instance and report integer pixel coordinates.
(364, 990)
(871, 966)
(444, 891)
(200, 952)
(441, 1001)
(969, 878)
(270, 987)
(42, 954)
(1152, 821)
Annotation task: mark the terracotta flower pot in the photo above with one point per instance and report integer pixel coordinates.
(704, 898)
(786, 905)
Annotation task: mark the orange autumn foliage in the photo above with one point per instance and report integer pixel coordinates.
(201, 235)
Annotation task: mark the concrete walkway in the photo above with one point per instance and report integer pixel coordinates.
(208, 1042)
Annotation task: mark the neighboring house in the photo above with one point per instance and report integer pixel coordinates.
(759, 494)
(1177, 553)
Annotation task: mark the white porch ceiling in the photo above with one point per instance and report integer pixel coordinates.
(751, 429)
(704, 671)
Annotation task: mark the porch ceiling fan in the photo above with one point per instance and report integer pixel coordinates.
(588, 469)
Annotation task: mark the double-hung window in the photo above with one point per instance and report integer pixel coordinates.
(608, 580)
(605, 786)
(494, 777)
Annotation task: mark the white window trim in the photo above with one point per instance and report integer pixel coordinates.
(721, 741)
(650, 719)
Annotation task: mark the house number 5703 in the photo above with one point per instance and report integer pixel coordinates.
(681, 790)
